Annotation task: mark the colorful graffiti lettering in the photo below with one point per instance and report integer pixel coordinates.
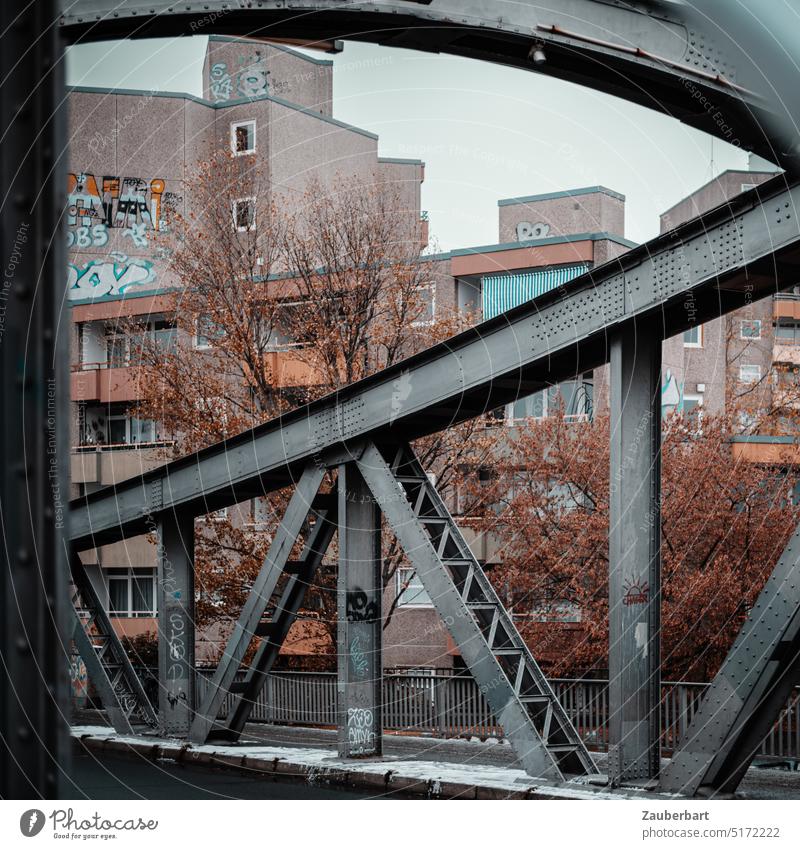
(79, 679)
(221, 84)
(100, 277)
(128, 203)
(87, 237)
(252, 80)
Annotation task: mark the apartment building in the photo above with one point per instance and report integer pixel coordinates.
(132, 159)
(748, 359)
(543, 241)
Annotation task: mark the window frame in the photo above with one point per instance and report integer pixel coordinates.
(699, 343)
(234, 206)
(428, 322)
(400, 580)
(233, 127)
(752, 321)
(750, 382)
(128, 578)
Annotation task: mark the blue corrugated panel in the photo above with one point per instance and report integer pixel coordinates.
(502, 292)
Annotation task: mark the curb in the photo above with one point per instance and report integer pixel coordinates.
(277, 769)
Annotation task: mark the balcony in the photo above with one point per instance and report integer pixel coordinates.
(288, 368)
(129, 626)
(786, 305)
(768, 450)
(99, 382)
(107, 464)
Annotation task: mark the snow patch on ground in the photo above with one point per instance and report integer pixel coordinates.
(320, 761)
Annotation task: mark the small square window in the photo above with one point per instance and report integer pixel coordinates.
(427, 316)
(750, 329)
(243, 137)
(244, 214)
(693, 337)
(410, 590)
(749, 373)
(206, 333)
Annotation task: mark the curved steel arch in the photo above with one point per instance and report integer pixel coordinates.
(652, 53)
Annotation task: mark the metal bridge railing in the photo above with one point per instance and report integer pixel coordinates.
(451, 706)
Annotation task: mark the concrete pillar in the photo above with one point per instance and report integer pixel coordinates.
(175, 624)
(360, 619)
(634, 554)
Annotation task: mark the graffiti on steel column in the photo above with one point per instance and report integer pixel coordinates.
(361, 736)
(359, 608)
(635, 592)
(177, 672)
(358, 657)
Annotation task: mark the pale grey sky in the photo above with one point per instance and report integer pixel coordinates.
(485, 132)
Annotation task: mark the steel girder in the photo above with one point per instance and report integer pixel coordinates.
(716, 263)
(652, 53)
(36, 627)
(247, 626)
(749, 691)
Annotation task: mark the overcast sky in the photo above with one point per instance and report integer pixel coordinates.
(485, 132)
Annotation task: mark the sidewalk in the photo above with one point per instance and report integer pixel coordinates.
(418, 766)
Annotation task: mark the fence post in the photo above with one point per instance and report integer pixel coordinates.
(268, 691)
(440, 706)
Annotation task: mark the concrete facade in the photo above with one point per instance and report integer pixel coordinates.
(133, 157)
(728, 360)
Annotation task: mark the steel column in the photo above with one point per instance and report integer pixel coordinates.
(35, 630)
(634, 553)
(360, 620)
(748, 693)
(175, 623)
(247, 626)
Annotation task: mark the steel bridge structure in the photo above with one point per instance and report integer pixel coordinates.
(665, 55)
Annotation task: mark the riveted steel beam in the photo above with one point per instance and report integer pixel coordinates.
(749, 691)
(716, 263)
(646, 52)
(35, 628)
(634, 604)
(176, 631)
(360, 618)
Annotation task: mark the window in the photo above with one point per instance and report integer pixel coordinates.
(531, 407)
(261, 513)
(410, 591)
(693, 337)
(745, 187)
(749, 373)
(575, 398)
(427, 294)
(132, 592)
(787, 332)
(116, 350)
(750, 329)
(206, 333)
(214, 515)
(125, 429)
(244, 214)
(693, 407)
(243, 137)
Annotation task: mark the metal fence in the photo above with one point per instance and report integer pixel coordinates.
(452, 706)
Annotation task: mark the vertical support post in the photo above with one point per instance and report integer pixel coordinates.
(360, 620)
(634, 554)
(35, 630)
(176, 691)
